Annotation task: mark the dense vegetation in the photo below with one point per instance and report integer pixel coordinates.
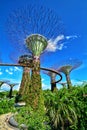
(65, 109)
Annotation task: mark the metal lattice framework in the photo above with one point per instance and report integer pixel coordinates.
(36, 43)
(29, 20)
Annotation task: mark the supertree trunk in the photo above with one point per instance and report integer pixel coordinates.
(36, 95)
(10, 92)
(25, 83)
(53, 87)
(53, 84)
(69, 84)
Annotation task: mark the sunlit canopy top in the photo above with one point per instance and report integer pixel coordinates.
(36, 43)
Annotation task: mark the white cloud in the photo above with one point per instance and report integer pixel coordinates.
(17, 69)
(60, 47)
(75, 82)
(9, 72)
(53, 43)
(45, 86)
(71, 37)
(1, 73)
(11, 69)
(16, 87)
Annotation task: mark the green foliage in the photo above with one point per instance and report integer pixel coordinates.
(3, 94)
(33, 120)
(25, 85)
(6, 93)
(36, 100)
(6, 105)
(67, 109)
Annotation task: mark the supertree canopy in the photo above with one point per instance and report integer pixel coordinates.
(67, 67)
(52, 79)
(32, 19)
(2, 82)
(36, 43)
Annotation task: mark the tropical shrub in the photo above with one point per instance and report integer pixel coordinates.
(33, 120)
(61, 109)
(6, 105)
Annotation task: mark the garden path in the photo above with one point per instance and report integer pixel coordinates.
(3, 122)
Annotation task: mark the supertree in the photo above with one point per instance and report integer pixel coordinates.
(36, 43)
(67, 67)
(11, 85)
(3, 82)
(52, 79)
(33, 20)
(26, 79)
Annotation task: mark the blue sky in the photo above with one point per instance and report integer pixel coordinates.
(73, 40)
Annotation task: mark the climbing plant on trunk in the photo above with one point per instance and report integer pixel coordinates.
(26, 79)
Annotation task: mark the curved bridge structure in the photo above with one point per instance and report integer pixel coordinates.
(42, 68)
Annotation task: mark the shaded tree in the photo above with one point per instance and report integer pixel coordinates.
(67, 68)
